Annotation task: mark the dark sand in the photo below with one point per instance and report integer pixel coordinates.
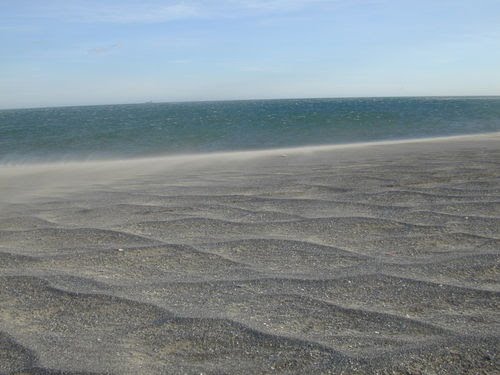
(364, 259)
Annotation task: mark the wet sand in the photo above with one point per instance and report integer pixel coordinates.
(359, 259)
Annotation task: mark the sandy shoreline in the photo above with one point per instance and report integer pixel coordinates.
(381, 257)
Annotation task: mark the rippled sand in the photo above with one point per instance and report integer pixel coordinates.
(358, 259)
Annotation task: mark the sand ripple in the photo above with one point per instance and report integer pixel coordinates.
(386, 262)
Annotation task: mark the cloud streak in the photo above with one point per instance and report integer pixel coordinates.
(104, 50)
(281, 5)
(156, 11)
(105, 11)
(124, 13)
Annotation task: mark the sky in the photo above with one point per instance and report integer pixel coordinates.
(76, 52)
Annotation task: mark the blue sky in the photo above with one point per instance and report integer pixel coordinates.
(55, 52)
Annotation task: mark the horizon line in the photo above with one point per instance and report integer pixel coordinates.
(252, 99)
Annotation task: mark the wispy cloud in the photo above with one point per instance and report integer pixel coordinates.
(144, 13)
(131, 13)
(181, 61)
(295, 6)
(104, 50)
(280, 5)
(160, 11)
(18, 28)
(104, 11)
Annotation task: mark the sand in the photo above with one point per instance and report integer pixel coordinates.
(378, 258)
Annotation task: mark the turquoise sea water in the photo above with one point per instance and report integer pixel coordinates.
(122, 131)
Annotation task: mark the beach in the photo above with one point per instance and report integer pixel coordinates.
(352, 259)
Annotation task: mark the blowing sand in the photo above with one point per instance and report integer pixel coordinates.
(376, 258)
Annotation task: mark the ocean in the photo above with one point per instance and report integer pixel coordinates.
(150, 129)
